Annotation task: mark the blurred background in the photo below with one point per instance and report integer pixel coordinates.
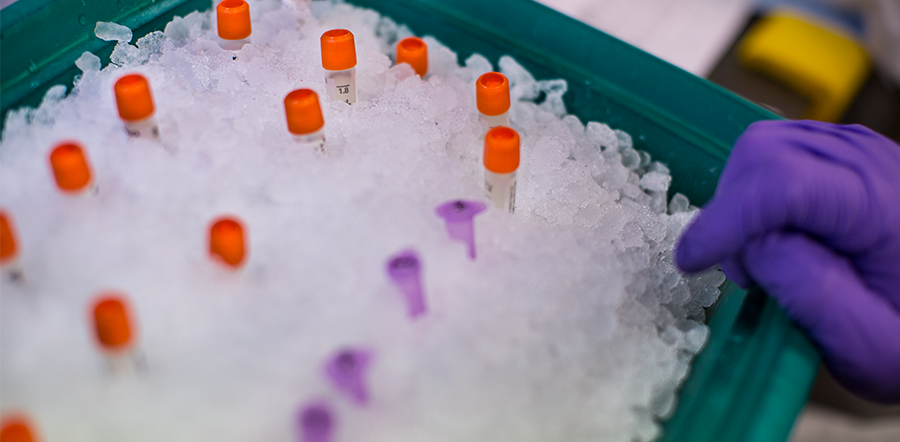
(830, 60)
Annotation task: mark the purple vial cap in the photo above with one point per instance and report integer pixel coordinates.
(316, 422)
(404, 265)
(460, 210)
(347, 370)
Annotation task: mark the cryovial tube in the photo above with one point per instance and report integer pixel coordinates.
(71, 169)
(136, 106)
(492, 98)
(501, 159)
(339, 61)
(458, 216)
(347, 371)
(405, 270)
(233, 23)
(304, 118)
(17, 428)
(226, 241)
(413, 51)
(9, 252)
(316, 423)
(114, 331)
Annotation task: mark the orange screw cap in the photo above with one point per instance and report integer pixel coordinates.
(304, 114)
(7, 239)
(501, 150)
(492, 93)
(413, 51)
(16, 429)
(133, 98)
(70, 167)
(233, 19)
(338, 50)
(226, 240)
(111, 322)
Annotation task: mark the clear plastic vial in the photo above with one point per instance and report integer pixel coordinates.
(339, 61)
(501, 160)
(233, 24)
(114, 331)
(135, 104)
(304, 119)
(9, 253)
(492, 99)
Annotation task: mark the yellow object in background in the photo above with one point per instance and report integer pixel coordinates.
(822, 64)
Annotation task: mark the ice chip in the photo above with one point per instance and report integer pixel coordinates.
(152, 42)
(601, 134)
(678, 204)
(112, 32)
(88, 62)
(655, 181)
(624, 140)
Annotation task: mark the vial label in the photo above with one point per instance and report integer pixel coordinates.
(146, 128)
(501, 189)
(341, 85)
(490, 121)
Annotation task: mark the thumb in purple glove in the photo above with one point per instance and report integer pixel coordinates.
(811, 212)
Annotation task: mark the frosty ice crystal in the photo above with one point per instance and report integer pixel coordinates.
(572, 324)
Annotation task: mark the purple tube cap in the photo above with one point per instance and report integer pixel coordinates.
(316, 422)
(347, 370)
(460, 210)
(405, 270)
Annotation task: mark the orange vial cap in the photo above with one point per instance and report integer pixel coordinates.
(226, 240)
(501, 150)
(413, 51)
(133, 98)
(70, 167)
(233, 19)
(304, 114)
(492, 93)
(111, 322)
(16, 429)
(338, 50)
(7, 239)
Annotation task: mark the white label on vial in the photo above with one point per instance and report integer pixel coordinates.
(500, 188)
(146, 128)
(491, 121)
(341, 85)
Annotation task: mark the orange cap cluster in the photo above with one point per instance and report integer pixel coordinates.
(413, 51)
(111, 322)
(7, 239)
(233, 19)
(501, 150)
(70, 167)
(304, 114)
(492, 93)
(338, 50)
(133, 97)
(16, 429)
(226, 240)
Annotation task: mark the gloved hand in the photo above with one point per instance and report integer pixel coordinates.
(810, 211)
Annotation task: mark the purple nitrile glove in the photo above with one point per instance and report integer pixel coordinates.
(315, 422)
(458, 215)
(347, 370)
(405, 270)
(810, 211)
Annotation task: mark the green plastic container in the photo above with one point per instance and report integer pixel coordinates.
(753, 377)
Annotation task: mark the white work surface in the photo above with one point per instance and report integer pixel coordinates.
(691, 34)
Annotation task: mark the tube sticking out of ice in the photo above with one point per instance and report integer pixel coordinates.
(347, 371)
(405, 270)
(458, 216)
(315, 423)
